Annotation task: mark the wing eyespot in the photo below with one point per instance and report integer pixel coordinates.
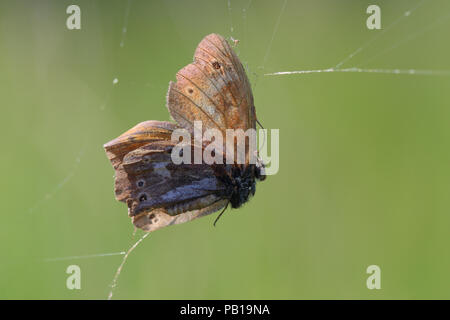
(140, 183)
(216, 65)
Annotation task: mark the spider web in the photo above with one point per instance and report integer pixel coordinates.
(243, 14)
(357, 69)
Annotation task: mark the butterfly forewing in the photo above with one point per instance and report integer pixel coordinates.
(213, 89)
(141, 134)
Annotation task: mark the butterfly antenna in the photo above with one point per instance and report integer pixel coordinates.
(257, 121)
(220, 214)
(264, 141)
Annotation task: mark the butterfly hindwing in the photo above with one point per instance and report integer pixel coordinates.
(152, 185)
(158, 182)
(158, 218)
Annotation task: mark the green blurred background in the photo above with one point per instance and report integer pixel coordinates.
(364, 158)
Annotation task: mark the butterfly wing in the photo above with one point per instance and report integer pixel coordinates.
(158, 192)
(213, 89)
(141, 134)
(151, 180)
(158, 218)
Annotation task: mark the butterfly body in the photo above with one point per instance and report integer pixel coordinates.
(215, 90)
(240, 182)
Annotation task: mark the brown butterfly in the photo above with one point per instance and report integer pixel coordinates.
(215, 90)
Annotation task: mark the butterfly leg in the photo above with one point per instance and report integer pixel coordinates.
(220, 214)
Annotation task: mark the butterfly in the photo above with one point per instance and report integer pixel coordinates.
(214, 90)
